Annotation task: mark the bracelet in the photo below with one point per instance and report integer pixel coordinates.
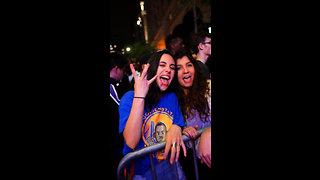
(139, 97)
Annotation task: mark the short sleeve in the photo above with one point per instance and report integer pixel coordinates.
(124, 109)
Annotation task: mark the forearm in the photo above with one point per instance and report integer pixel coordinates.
(207, 134)
(132, 130)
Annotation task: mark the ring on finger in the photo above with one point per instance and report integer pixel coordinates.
(174, 145)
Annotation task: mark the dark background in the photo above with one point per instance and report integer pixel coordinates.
(54, 111)
(123, 17)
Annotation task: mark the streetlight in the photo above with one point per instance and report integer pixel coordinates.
(128, 49)
(139, 21)
(143, 13)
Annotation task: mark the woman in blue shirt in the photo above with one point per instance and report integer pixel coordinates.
(152, 103)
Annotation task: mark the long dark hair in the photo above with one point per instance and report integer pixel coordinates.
(155, 94)
(197, 93)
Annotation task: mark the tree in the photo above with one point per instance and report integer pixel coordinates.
(138, 49)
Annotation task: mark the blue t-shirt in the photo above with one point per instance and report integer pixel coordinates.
(156, 123)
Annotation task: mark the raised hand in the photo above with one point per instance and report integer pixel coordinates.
(141, 84)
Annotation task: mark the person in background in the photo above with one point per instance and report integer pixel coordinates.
(140, 63)
(153, 101)
(194, 97)
(174, 43)
(201, 46)
(118, 65)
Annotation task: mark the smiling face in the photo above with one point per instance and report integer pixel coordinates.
(165, 71)
(185, 72)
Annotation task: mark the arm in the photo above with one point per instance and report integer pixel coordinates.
(205, 147)
(132, 130)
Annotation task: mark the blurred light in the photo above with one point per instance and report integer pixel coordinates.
(114, 46)
(111, 47)
(128, 49)
(138, 22)
(142, 5)
(209, 28)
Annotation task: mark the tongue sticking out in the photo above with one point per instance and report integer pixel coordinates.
(164, 81)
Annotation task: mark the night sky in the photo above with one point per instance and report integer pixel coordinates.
(122, 20)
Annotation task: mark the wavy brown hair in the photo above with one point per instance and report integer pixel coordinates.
(197, 93)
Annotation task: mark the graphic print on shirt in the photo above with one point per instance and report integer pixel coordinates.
(155, 127)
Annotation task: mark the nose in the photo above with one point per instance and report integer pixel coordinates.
(185, 70)
(168, 69)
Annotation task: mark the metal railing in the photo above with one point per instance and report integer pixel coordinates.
(152, 149)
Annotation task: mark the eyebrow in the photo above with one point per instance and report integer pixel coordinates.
(166, 63)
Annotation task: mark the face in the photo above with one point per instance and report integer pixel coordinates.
(119, 73)
(207, 46)
(185, 72)
(165, 71)
(178, 45)
(160, 133)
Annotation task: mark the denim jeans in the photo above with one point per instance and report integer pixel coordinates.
(164, 171)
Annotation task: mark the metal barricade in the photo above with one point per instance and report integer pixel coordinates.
(152, 149)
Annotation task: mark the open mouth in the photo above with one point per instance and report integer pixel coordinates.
(164, 80)
(186, 79)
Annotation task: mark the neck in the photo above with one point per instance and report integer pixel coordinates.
(185, 90)
(202, 57)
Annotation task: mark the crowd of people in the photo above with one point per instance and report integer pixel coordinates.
(160, 97)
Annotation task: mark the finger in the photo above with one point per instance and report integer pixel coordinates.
(173, 150)
(166, 150)
(206, 161)
(151, 80)
(186, 133)
(178, 151)
(184, 149)
(133, 71)
(145, 70)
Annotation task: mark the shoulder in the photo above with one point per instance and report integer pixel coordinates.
(199, 62)
(127, 96)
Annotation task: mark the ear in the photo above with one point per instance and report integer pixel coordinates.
(200, 46)
(116, 68)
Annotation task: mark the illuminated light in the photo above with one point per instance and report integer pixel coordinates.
(128, 49)
(111, 47)
(209, 28)
(114, 46)
(142, 5)
(138, 22)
